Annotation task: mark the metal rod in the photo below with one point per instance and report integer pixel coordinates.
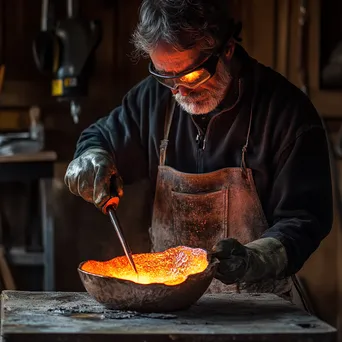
(44, 19)
(127, 250)
(72, 8)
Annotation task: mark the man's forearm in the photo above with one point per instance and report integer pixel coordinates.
(300, 237)
(92, 138)
(267, 259)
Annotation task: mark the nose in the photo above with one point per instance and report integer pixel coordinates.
(182, 90)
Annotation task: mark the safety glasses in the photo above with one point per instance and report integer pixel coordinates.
(191, 78)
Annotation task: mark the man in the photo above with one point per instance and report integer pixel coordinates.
(237, 155)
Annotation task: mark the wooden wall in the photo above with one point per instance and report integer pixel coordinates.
(114, 72)
(82, 232)
(271, 35)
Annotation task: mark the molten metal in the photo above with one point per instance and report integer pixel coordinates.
(171, 267)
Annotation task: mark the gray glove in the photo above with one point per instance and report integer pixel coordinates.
(258, 260)
(91, 177)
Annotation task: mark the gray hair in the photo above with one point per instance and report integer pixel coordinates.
(183, 24)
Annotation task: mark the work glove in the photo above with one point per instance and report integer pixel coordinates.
(256, 261)
(93, 176)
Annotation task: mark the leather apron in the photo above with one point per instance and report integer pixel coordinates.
(198, 210)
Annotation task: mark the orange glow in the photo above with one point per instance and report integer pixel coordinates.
(193, 76)
(170, 267)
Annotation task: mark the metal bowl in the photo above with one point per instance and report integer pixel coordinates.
(119, 294)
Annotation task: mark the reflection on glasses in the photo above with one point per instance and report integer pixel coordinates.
(192, 78)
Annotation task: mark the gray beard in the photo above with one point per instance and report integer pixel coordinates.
(206, 101)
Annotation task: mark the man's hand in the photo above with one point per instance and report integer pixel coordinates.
(256, 261)
(233, 257)
(90, 176)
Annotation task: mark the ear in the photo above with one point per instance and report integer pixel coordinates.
(230, 49)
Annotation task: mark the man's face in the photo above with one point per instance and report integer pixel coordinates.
(207, 96)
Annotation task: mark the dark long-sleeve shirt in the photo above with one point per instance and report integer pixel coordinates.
(287, 149)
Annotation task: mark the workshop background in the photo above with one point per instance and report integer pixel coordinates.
(300, 39)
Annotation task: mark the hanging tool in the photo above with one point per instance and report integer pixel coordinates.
(45, 45)
(65, 51)
(110, 209)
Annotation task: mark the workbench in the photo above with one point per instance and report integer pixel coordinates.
(68, 316)
(36, 169)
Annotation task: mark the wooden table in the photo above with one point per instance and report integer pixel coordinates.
(62, 316)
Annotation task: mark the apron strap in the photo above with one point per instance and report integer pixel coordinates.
(244, 148)
(167, 125)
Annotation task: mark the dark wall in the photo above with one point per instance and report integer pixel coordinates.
(82, 232)
(331, 28)
(114, 72)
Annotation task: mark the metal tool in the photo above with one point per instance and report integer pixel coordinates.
(110, 208)
(65, 51)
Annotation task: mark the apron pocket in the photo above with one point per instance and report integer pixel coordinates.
(199, 220)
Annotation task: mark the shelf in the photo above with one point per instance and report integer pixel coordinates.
(19, 256)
